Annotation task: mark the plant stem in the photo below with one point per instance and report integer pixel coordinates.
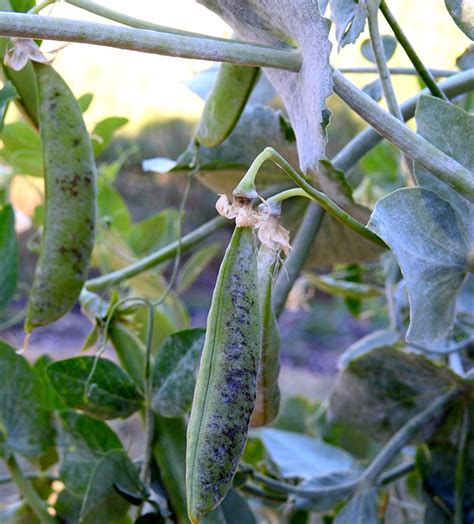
(397, 472)
(307, 232)
(39, 7)
(30, 495)
(403, 436)
(411, 144)
(285, 195)
(381, 61)
(424, 73)
(396, 71)
(461, 464)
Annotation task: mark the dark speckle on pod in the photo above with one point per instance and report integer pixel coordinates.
(225, 392)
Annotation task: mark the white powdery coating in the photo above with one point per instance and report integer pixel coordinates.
(304, 93)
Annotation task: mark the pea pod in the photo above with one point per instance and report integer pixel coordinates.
(70, 202)
(225, 391)
(225, 103)
(267, 402)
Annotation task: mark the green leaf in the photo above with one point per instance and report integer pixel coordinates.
(301, 456)
(85, 101)
(106, 393)
(380, 391)
(349, 18)
(68, 507)
(374, 340)
(24, 423)
(51, 399)
(362, 509)
(389, 46)
(195, 265)
(153, 232)
(236, 509)
(466, 60)
(9, 257)
(462, 12)
(22, 6)
(104, 131)
(295, 414)
(112, 208)
(22, 149)
(102, 503)
(173, 373)
(82, 442)
(7, 94)
(429, 228)
(374, 90)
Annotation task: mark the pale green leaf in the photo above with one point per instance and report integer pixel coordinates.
(389, 46)
(104, 131)
(9, 258)
(349, 17)
(7, 94)
(195, 265)
(462, 12)
(362, 509)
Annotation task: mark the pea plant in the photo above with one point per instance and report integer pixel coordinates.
(389, 218)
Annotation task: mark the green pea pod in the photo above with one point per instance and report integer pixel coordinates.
(70, 202)
(225, 103)
(225, 391)
(267, 402)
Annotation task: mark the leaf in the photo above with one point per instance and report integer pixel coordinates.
(51, 399)
(374, 90)
(104, 131)
(153, 232)
(466, 60)
(389, 46)
(112, 208)
(462, 12)
(85, 101)
(9, 257)
(7, 94)
(301, 456)
(349, 18)
(236, 509)
(22, 149)
(101, 502)
(173, 373)
(82, 442)
(343, 288)
(281, 23)
(22, 6)
(295, 414)
(374, 340)
(195, 265)
(106, 393)
(431, 228)
(380, 391)
(24, 423)
(362, 509)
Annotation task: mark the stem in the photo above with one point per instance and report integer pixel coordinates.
(302, 243)
(146, 41)
(285, 195)
(404, 435)
(461, 464)
(397, 71)
(424, 73)
(320, 198)
(396, 473)
(165, 253)
(381, 61)
(39, 7)
(30, 495)
(414, 146)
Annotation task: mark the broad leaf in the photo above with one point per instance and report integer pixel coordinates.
(173, 372)
(349, 18)
(22, 5)
(51, 399)
(7, 94)
(295, 414)
(380, 391)
(462, 12)
(301, 456)
(102, 503)
(113, 210)
(431, 228)
(85, 101)
(236, 509)
(22, 149)
(104, 392)
(9, 258)
(304, 93)
(389, 46)
(24, 423)
(195, 265)
(362, 509)
(104, 131)
(153, 232)
(82, 442)
(374, 90)
(466, 60)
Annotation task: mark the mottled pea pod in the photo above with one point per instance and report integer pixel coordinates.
(70, 202)
(225, 103)
(267, 402)
(226, 387)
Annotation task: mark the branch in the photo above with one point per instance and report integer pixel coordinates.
(397, 71)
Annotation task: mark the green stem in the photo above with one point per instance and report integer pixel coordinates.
(411, 144)
(39, 7)
(285, 195)
(320, 198)
(461, 464)
(397, 71)
(424, 73)
(30, 495)
(396, 473)
(381, 61)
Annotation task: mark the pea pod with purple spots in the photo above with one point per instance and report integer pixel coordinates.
(70, 202)
(225, 392)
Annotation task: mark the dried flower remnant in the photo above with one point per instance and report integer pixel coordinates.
(23, 50)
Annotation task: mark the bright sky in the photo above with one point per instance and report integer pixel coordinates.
(144, 87)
